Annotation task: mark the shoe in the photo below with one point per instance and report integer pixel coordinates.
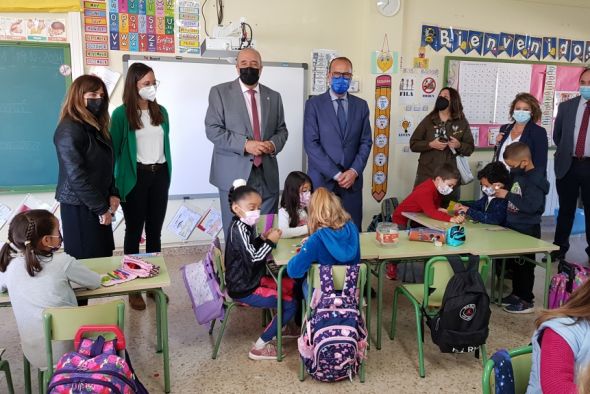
(136, 301)
(152, 295)
(556, 256)
(510, 300)
(268, 352)
(521, 307)
(391, 273)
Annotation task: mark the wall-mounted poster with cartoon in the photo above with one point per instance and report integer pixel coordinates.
(384, 61)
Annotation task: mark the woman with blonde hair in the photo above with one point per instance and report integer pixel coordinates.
(334, 238)
(86, 184)
(561, 346)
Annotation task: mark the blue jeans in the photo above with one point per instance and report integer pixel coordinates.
(259, 299)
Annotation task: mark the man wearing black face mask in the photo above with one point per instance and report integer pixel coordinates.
(245, 121)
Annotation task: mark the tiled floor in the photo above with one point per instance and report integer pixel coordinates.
(392, 369)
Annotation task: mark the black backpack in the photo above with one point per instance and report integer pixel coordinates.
(388, 206)
(461, 324)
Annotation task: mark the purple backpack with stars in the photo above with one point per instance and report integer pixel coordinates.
(335, 340)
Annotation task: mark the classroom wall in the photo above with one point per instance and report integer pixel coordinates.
(290, 30)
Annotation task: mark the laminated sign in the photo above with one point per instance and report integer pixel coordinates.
(381, 138)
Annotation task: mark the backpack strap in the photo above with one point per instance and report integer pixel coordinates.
(456, 264)
(503, 372)
(326, 280)
(352, 274)
(473, 263)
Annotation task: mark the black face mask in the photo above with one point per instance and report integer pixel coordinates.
(249, 75)
(441, 103)
(517, 171)
(94, 105)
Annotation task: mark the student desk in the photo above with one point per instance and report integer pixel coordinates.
(426, 221)
(155, 284)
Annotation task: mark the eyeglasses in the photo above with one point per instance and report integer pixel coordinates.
(148, 84)
(344, 75)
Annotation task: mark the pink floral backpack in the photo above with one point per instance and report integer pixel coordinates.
(570, 276)
(96, 366)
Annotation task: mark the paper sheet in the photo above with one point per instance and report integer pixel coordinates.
(118, 218)
(211, 222)
(184, 222)
(320, 62)
(477, 84)
(108, 76)
(512, 79)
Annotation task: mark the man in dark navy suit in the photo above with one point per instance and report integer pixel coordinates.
(572, 163)
(337, 139)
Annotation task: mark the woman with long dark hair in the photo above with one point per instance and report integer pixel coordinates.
(443, 130)
(86, 187)
(140, 133)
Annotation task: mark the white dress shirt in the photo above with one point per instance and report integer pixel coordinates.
(579, 115)
(247, 97)
(508, 141)
(150, 141)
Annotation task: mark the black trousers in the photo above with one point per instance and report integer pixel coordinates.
(146, 205)
(523, 272)
(574, 183)
(83, 235)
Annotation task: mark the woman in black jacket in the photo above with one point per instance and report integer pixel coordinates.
(86, 186)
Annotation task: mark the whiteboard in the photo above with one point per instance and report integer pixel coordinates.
(184, 91)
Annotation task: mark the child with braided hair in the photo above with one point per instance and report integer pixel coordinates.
(37, 278)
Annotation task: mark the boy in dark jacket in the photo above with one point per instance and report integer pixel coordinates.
(489, 209)
(526, 203)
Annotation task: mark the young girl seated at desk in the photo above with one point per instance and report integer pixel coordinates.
(294, 202)
(245, 265)
(38, 278)
(334, 237)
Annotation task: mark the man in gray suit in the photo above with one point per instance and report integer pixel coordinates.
(246, 123)
(572, 163)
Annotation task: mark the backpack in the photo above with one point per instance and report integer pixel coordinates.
(388, 206)
(203, 289)
(569, 277)
(96, 367)
(335, 340)
(461, 324)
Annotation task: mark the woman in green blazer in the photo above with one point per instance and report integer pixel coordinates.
(140, 135)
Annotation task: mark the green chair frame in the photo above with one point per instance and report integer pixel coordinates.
(5, 367)
(61, 324)
(228, 303)
(521, 366)
(338, 275)
(437, 274)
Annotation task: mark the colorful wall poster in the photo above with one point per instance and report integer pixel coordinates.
(141, 25)
(188, 27)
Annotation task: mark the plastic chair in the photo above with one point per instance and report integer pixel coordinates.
(521, 368)
(428, 296)
(228, 303)
(4, 366)
(338, 276)
(61, 324)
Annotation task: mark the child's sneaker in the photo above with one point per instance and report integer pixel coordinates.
(391, 273)
(268, 352)
(510, 300)
(520, 307)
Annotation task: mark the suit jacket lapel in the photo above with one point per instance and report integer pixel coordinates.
(330, 114)
(572, 118)
(241, 103)
(264, 103)
(348, 118)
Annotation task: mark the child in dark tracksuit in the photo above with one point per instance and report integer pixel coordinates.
(526, 203)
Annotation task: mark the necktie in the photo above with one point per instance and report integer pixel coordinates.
(255, 124)
(581, 143)
(341, 115)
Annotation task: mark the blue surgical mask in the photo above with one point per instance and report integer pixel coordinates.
(340, 85)
(585, 92)
(521, 116)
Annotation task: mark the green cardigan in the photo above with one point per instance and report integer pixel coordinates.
(125, 149)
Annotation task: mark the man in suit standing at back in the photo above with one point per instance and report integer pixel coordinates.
(337, 139)
(246, 123)
(572, 163)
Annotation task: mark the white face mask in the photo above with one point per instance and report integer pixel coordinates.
(304, 198)
(489, 191)
(444, 189)
(148, 93)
